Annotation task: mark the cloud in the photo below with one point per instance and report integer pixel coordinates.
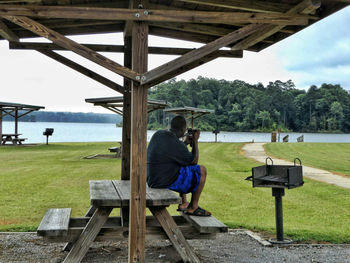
(319, 53)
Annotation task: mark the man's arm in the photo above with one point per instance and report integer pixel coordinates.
(195, 147)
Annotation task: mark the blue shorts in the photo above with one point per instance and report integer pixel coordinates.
(188, 179)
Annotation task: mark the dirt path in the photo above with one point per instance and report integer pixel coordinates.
(256, 151)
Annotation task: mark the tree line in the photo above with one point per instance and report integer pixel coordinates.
(240, 106)
(47, 116)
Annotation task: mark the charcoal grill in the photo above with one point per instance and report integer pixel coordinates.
(48, 132)
(278, 177)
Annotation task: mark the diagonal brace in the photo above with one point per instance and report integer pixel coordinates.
(69, 44)
(195, 55)
(85, 71)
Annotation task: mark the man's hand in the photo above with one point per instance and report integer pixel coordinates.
(196, 135)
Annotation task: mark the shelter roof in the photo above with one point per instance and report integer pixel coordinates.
(195, 20)
(189, 112)
(115, 104)
(18, 106)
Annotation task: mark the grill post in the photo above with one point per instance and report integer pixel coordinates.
(278, 193)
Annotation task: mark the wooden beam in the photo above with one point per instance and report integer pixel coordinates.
(186, 68)
(195, 55)
(119, 49)
(174, 234)
(137, 224)
(254, 6)
(83, 70)
(65, 42)
(126, 132)
(183, 16)
(6, 33)
(306, 6)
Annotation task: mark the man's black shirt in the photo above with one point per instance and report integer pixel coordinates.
(165, 156)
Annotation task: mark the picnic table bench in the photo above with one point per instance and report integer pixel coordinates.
(58, 226)
(12, 137)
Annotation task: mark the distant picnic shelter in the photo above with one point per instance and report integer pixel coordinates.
(225, 27)
(16, 110)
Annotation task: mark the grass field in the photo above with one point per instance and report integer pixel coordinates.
(33, 179)
(334, 157)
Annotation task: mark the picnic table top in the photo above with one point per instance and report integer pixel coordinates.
(116, 193)
(11, 134)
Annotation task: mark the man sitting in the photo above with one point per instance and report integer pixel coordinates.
(171, 165)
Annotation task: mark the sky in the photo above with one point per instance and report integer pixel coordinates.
(318, 54)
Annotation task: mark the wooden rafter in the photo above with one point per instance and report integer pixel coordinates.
(6, 33)
(255, 5)
(306, 6)
(183, 16)
(65, 42)
(158, 73)
(85, 71)
(120, 48)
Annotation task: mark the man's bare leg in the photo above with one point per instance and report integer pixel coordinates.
(184, 204)
(195, 197)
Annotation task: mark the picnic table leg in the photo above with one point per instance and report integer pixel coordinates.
(174, 233)
(91, 230)
(89, 213)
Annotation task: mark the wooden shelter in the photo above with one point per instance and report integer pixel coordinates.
(225, 27)
(115, 104)
(190, 113)
(17, 111)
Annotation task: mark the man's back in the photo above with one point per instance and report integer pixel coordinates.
(165, 155)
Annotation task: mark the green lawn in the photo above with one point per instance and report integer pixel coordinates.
(33, 179)
(334, 157)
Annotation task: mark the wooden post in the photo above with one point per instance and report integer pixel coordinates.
(16, 121)
(0, 125)
(137, 224)
(125, 172)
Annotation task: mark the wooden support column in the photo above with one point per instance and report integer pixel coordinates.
(0, 125)
(137, 225)
(16, 121)
(126, 141)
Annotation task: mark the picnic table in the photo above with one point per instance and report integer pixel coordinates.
(105, 195)
(12, 137)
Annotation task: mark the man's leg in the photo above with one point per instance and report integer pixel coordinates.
(195, 197)
(184, 203)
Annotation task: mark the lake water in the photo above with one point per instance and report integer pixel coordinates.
(102, 132)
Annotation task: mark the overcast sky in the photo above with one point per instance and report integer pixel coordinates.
(319, 54)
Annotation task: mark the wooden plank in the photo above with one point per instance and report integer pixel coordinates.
(55, 222)
(253, 5)
(85, 71)
(206, 224)
(307, 6)
(113, 230)
(122, 187)
(6, 33)
(137, 224)
(184, 16)
(103, 193)
(126, 132)
(120, 48)
(65, 42)
(195, 55)
(175, 235)
(88, 235)
(186, 68)
(161, 197)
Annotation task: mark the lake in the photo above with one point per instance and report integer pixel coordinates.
(102, 132)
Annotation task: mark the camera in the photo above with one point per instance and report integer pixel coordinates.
(189, 134)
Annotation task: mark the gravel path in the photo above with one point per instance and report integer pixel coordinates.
(235, 246)
(257, 152)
